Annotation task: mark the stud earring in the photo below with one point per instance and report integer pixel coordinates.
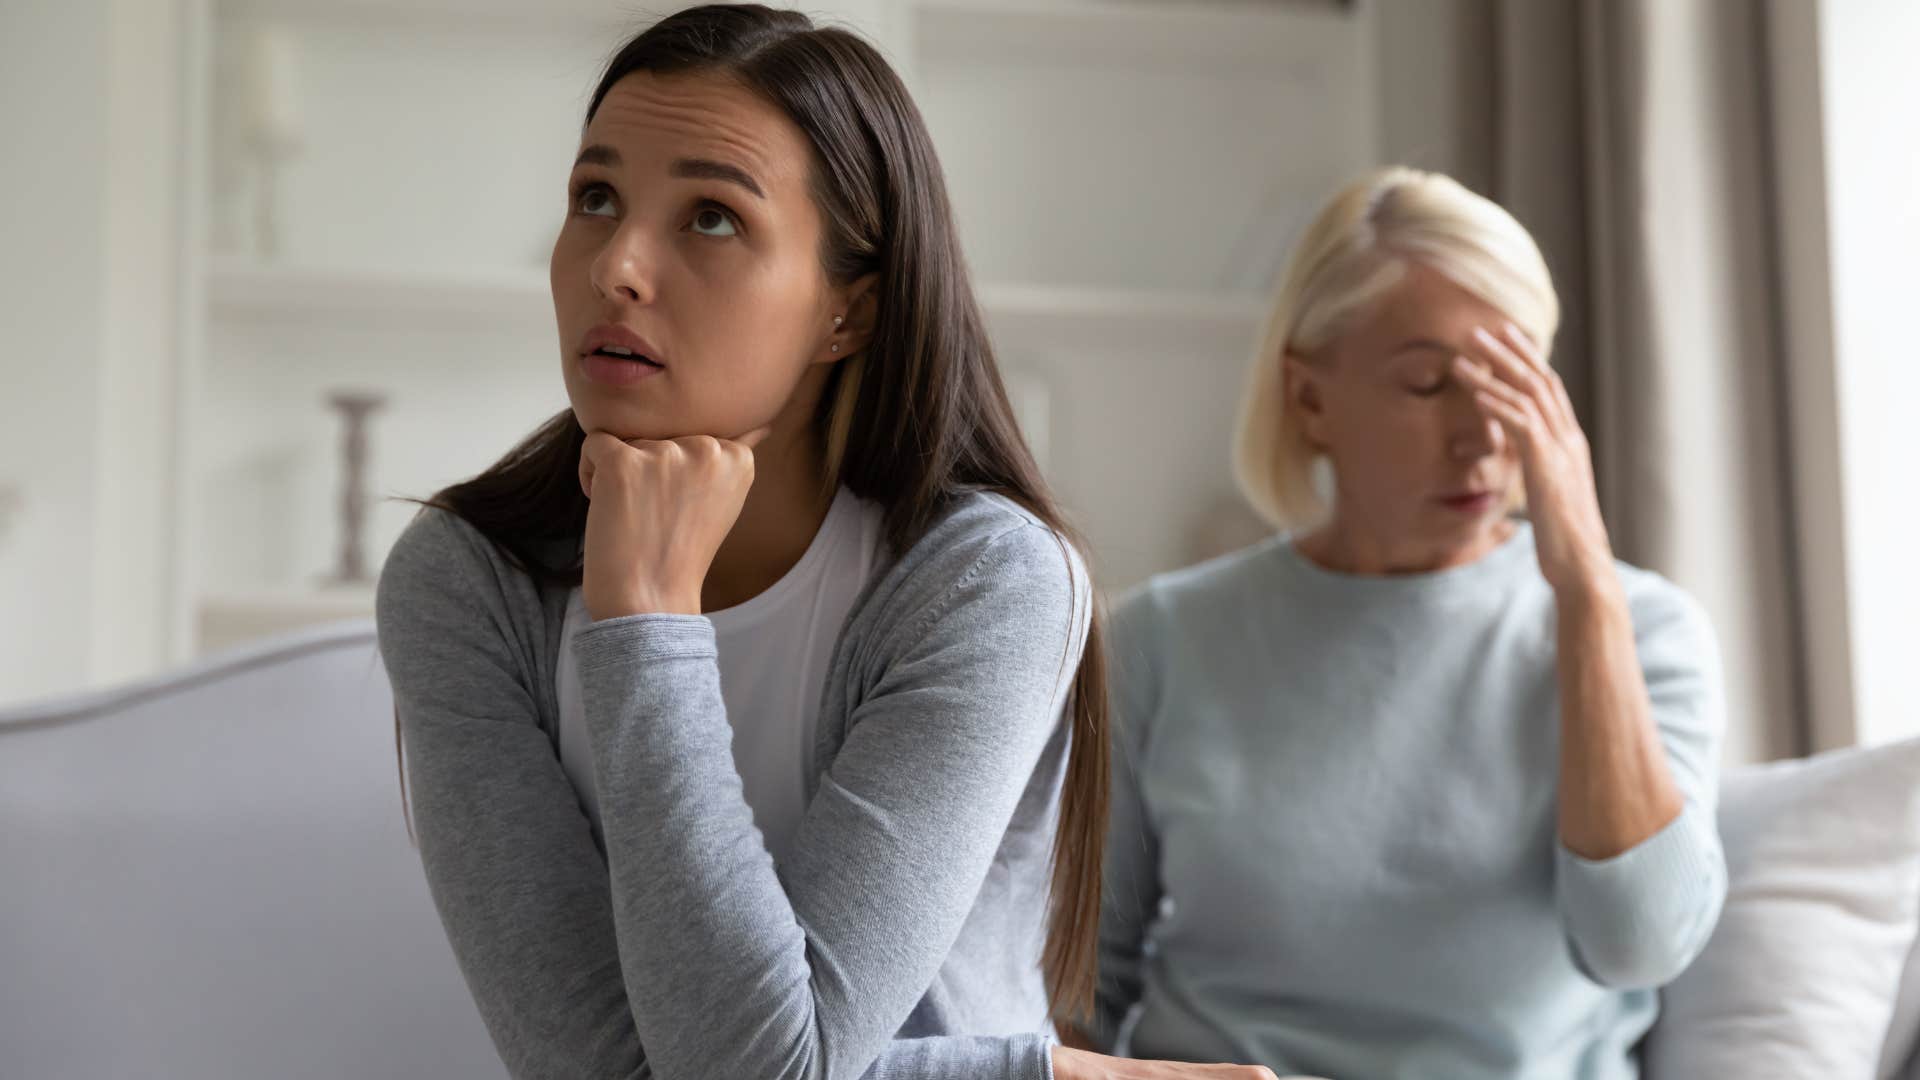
(837, 320)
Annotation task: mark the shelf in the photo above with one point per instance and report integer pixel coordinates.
(242, 290)
(223, 620)
(1274, 36)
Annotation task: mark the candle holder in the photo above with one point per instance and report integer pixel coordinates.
(354, 407)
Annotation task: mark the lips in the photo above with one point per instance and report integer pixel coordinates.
(619, 343)
(1468, 501)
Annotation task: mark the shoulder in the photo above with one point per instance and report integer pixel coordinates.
(985, 559)
(1192, 596)
(989, 539)
(1174, 621)
(438, 553)
(444, 583)
(1665, 616)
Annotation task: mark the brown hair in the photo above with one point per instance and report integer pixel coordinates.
(914, 420)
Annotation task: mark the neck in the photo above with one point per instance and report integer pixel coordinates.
(1349, 544)
(784, 510)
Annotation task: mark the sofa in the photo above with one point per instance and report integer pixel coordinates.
(207, 875)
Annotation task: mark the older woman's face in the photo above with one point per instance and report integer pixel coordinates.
(1418, 466)
(691, 236)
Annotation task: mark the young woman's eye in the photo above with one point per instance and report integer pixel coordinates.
(593, 199)
(1428, 385)
(713, 219)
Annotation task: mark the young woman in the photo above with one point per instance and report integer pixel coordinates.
(753, 707)
(1415, 789)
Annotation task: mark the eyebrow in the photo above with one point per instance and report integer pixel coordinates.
(685, 168)
(1422, 343)
(598, 154)
(702, 169)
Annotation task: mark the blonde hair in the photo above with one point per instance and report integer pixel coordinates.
(1355, 250)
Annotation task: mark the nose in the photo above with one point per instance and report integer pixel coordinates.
(1474, 434)
(625, 269)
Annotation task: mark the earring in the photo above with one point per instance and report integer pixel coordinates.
(837, 320)
(836, 347)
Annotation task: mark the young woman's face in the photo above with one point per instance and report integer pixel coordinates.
(1418, 466)
(691, 236)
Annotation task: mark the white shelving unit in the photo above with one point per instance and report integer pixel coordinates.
(1112, 163)
(244, 291)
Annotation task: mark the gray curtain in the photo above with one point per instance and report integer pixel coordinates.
(1635, 136)
(1634, 139)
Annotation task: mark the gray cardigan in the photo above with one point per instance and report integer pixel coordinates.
(902, 938)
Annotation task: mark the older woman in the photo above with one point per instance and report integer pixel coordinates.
(1415, 788)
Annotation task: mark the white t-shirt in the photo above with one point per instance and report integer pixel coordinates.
(774, 651)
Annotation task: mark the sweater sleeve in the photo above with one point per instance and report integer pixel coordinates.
(521, 888)
(1132, 890)
(1636, 920)
(734, 970)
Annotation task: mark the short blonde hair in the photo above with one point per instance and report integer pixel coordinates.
(1354, 251)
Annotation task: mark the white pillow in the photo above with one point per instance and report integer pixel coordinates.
(1823, 870)
(1901, 1058)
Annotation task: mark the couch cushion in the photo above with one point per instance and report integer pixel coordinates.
(1799, 979)
(208, 875)
(1900, 1059)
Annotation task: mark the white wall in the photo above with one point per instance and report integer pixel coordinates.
(1871, 115)
(140, 292)
(53, 126)
(1436, 91)
(86, 297)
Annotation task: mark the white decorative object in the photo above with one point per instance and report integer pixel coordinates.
(272, 126)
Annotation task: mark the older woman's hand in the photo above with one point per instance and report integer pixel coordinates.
(1513, 383)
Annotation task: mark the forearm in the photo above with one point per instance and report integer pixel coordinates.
(1615, 788)
(732, 970)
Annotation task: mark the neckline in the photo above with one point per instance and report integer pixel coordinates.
(1492, 567)
(748, 612)
(756, 608)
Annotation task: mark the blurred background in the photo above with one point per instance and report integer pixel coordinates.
(271, 262)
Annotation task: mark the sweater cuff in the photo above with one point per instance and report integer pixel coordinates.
(631, 638)
(1030, 1056)
(1638, 918)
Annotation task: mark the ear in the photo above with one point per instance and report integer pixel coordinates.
(1304, 395)
(857, 305)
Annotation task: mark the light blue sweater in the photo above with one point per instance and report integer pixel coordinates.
(1334, 846)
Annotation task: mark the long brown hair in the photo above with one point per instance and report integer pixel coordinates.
(911, 422)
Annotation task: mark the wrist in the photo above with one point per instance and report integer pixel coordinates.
(648, 602)
(1593, 612)
(1591, 589)
(1070, 1064)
